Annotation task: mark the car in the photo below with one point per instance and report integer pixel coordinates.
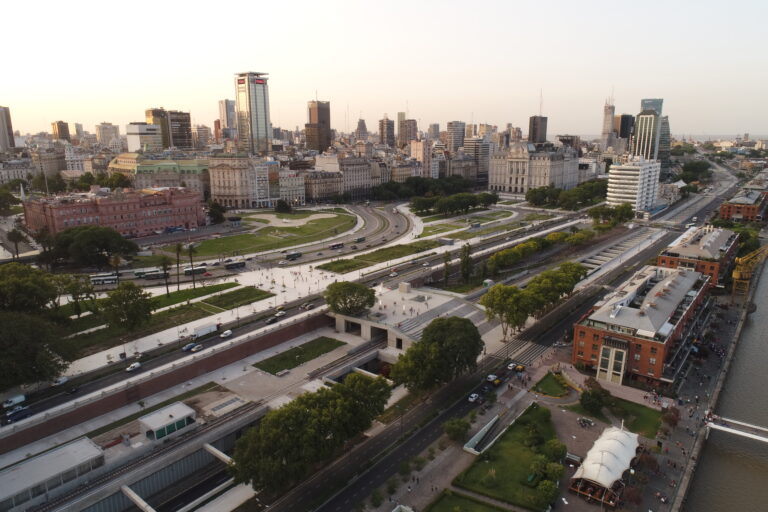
(197, 348)
(425, 264)
(20, 414)
(249, 258)
(307, 305)
(207, 274)
(284, 251)
(486, 388)
(73, 390)
(280, 308)
(59, 381)
(272, 320)
(188, 347)
(319, 254)
(516, 367)
(491, 377)
(473, 398)
(283, 262)
(310, 306)
(226, 334)
(393, 274)
(367, 245)
(133, 367)
(216, 263)
(15, 409)
(203, 264)
(228, 260)
(279, 314)
(383, 239)
(354, 247)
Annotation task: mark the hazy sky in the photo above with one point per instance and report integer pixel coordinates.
(89, 62)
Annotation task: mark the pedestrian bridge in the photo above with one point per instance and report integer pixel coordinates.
(738, 428)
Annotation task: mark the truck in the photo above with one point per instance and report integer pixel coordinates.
(205, 329)
(14, 400)
(446, 241)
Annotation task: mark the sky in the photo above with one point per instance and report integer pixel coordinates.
(482, 62)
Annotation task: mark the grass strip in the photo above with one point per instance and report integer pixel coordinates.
(379, 256)
(299, 355)
(239, 297)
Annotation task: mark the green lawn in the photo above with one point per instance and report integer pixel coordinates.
(581, 411)
(472, 285)
(258, 220)
(510, 458)
(453, 502)
(637, 418)
(298, 355)
(210, 386)
(274, 237)
(379, 256)
(466, 235)
(537, 216)
(510, 202)
(154, 261)
(239, 297)
(440, 228)
(400, 407)
(550, 386)
(432, 218)
(490, 216)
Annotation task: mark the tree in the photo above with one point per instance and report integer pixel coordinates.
(283, 206)
(216, 212)
(192, 251)
(6, 201)
(592, 402)
(504, 303)
(466, 262)
(178, 247)
(553, 450)
(25, 289)
(546, 492)
(348, 298)
(553, 471)
(92, 246)
(15, 237)
(449, 346)
(165, 263)
(456, 429)
(538, 465)
(80, 290)
(32, 349)
(127, 307)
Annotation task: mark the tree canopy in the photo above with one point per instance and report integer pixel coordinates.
(216, 212)
(292, 440)
(25, 289)
(505, 304)
(91, 246)
(448, 347)
(587, 193)
(127, 306)
(348, 298)
(418, 186)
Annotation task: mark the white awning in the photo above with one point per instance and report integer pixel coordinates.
(609, 457)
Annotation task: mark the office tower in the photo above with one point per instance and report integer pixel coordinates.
(60, 131)
(607, 135)
(387, 131)
(537, 129)
(623, 125)
(144, 137)
(159, 117)
(228, 118)
(318, 130)
(201, 135)
(406, 132)
(470, 130)
(76, 130)
(217, 130)
(654, 104)
(480, 151)
(105, 132)
(180, 124)
(6, 129)
(647, 129)
(433, 132)
(456, 131)
(400, 119)
(362, 131)
(664, 142)
(515, 134)
(635, 182)
(254, 127)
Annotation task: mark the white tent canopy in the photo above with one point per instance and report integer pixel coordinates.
(609, 457)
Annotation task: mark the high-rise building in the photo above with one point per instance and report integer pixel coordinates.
(537, 129)
(76, 130)
(60, 131)
(635, 182)
(227, 114)
(144, 137)
(623, 125)
(433, 132)
(665, 142)
(159, 117)
(645, 136)
(406, 132)
(608, 133)
(400, 119)
(480, 151)
(470, 130)
(362, 131)
(254, 127)
(654, 104)
(387, 131)
(6, 129)
(318, 130)
(180, 124)
(456, 131)
(201, 136)
(105, 132)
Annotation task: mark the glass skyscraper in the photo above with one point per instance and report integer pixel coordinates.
(254, 129)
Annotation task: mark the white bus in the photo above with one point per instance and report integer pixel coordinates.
(108, 278)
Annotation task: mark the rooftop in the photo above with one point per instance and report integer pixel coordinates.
(168, 414)
(650, 303)
(746, 197)
(700, 243)
(40, 468)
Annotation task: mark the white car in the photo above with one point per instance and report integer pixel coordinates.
(133, 367)
(491, 377)
(283, 262)
(393, 274)
(59, 381)
(280, 313)
(226, 334)
(473, 397)
(196, 348)
(425, 264)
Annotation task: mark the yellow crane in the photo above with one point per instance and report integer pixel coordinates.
(745, 269)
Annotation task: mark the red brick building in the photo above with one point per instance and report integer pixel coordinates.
(132, 213)
(747, 205)
(706, 249)
(644, 330)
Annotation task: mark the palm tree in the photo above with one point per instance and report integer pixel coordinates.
(191, 249)
(179, 247)
(15, 236)
(165, 263)
(115, 262)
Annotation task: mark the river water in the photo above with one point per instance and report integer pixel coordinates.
(732, 475)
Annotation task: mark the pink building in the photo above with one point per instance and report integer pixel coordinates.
(132, 213)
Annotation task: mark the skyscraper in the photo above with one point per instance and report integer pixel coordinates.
(654, 104)
(362, 131)
(60, 131)
(6, 129)
(623, 125)
(406, 132)
(254, 127)
(144, 137)
(318, 130)
(607, 135)
(387, 131)
(434, 131)
(201, 135)
(105, 132)
(180, 124)
(537, 129)
(456, 131)
(480, 150)
(645, 136)
(76, 130)
(228, 119)
(665, 143)
(159, 117)
(400, 119)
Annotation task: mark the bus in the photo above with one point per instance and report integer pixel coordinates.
(156, 274)
(291, 256)
(195, 270)
(335, 246)
(234, 265)
(144, 271)
(359, 239)
(108, 278)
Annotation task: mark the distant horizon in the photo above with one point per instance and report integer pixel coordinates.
(406, 58)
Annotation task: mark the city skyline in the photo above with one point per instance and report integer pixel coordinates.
(486, 82)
